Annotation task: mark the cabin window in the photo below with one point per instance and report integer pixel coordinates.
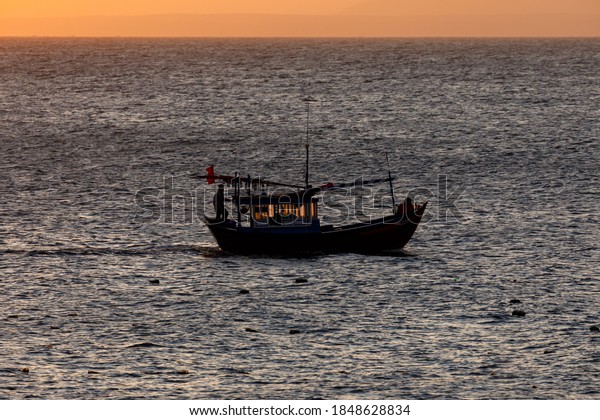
(261, 212)
(302, 211)
(285, 209)
(284, 213)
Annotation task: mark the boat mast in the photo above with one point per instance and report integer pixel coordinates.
(237, 192)
(390, 179)
(308, 100)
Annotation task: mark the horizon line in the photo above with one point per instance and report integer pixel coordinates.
(303, 14)
(305, 37)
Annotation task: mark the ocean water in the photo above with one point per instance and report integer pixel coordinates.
(106, 296)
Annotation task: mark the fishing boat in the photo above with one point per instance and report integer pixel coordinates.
(287, 220)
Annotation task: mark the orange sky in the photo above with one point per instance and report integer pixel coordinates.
(44, 8)
(300, 18)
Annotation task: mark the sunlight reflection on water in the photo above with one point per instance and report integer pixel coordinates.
(100, 303)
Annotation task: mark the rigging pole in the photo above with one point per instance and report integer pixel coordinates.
(308, 100)
(390, 179)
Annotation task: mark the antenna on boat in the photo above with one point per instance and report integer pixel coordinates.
(390, 179)
(308, 100)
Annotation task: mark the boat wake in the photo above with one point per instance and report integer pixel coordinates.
(206, 251)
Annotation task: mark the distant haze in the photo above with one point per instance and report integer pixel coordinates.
(248, 18)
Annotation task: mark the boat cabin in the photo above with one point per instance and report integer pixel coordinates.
(294, 209)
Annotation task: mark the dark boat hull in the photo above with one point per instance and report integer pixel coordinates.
(389, 233)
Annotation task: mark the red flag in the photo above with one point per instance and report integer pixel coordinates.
(211, 174)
